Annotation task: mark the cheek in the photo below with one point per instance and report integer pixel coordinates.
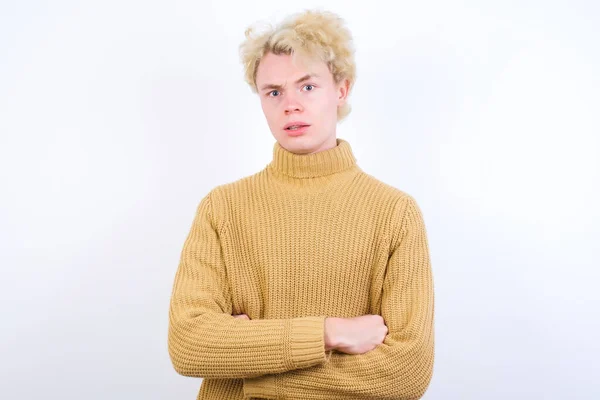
(329, 100)
(266, 109)
(329, 103)
(270, 113)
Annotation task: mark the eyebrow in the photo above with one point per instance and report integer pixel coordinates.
(304, 78)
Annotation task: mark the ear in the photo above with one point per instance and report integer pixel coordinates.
(343, 89)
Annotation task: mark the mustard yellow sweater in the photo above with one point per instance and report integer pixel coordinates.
(308, 237)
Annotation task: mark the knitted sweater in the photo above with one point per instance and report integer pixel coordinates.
(308, 237)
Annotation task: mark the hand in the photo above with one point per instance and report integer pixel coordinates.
(354, 335)
(243, 316)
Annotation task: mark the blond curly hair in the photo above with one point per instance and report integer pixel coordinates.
(314, 34)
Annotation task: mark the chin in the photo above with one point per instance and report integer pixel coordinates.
(298, 144)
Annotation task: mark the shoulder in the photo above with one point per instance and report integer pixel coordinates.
(237, 188)
(400, 205)
(384, 190)
(231, 194)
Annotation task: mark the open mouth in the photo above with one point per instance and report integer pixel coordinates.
(295, 127)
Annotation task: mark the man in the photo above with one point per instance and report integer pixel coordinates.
(311, 278)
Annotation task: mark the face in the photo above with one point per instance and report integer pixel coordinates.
(301, 91)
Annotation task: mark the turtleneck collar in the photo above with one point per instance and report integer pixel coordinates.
(325, 162)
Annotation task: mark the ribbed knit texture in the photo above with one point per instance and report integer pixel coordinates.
(308, 237)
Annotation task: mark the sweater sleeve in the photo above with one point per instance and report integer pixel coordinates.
(205, 340)
(402, 366)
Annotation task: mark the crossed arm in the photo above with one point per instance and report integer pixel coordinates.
(276, 356)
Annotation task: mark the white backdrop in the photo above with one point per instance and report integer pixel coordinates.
(117, 117)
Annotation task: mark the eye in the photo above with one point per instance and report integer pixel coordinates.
(310, 86)
(269, 94)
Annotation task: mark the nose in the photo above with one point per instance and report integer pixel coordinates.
(292, 104)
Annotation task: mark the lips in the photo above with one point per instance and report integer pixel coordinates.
(299, 124)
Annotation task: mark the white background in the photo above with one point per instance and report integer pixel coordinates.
(117, 117)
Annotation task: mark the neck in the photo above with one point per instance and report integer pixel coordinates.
(314, 165)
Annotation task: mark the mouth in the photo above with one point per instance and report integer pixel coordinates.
(295, 127)
(296, 130)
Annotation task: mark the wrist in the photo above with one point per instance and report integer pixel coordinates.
(331, 339)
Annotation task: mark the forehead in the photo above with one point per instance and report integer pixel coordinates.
(279, 68)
